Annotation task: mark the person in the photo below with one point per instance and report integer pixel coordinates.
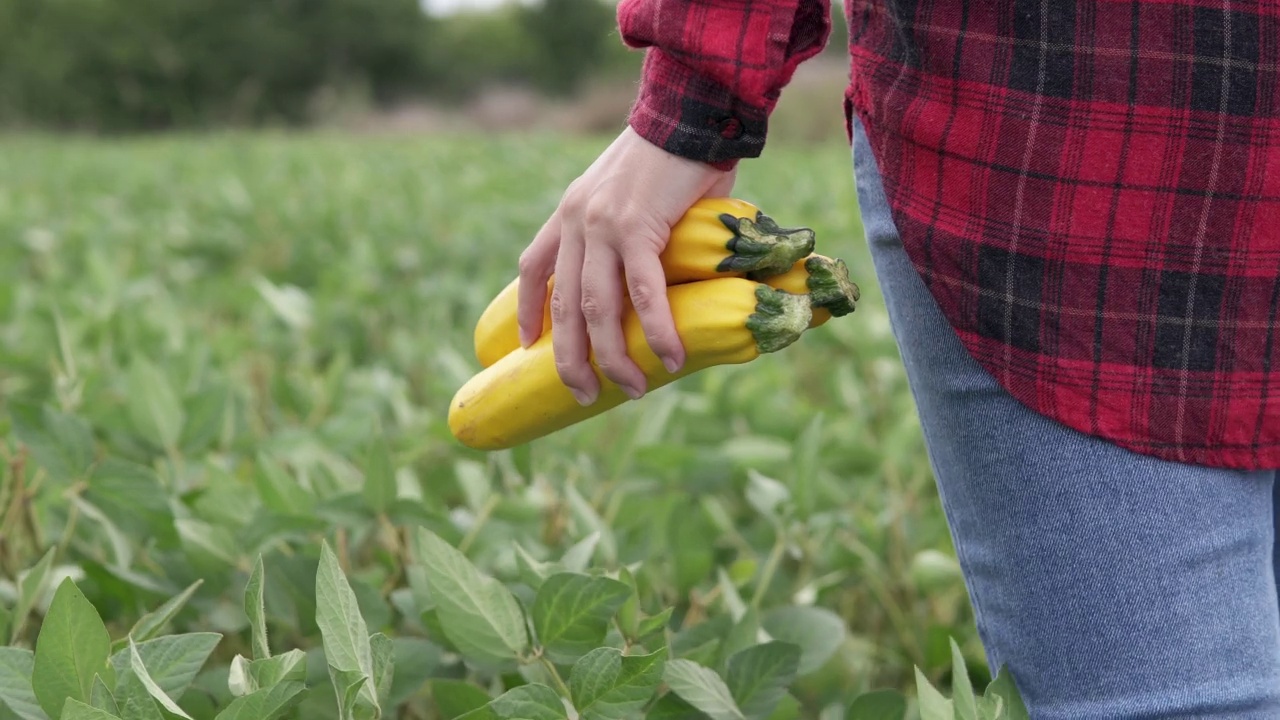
(1073, 212)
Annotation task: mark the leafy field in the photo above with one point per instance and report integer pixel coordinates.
(225, 365)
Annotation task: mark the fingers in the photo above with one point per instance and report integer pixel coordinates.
(602, 306)
(536, 265)
(647, 284)
(569, 339)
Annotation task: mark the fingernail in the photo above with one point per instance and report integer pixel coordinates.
(631, 392)
(582, 397)
(670, 363)
(524, 338)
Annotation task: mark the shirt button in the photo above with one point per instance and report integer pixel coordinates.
(730, 128)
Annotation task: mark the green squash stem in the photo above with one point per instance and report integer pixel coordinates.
(780, 318)
(760, 248)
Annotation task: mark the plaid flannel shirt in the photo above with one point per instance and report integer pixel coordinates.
(1090, 189)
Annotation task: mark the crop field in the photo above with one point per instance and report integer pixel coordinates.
(227, 486)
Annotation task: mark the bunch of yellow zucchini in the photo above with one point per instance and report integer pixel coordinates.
(738, 286)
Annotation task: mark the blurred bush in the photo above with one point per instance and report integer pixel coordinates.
(125, 65)
(136, 65)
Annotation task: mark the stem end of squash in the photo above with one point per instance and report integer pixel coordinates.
(760, 248)
(830, 287)
(780, 318)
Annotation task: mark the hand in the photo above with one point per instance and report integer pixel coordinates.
(605, 237)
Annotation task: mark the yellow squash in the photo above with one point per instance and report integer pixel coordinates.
(833, 294)
(717, 237)
(720, 322)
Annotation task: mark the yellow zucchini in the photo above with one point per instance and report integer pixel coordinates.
(717, 237)
(720, 321)
(826, 279)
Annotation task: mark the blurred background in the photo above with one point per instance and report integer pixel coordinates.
(368, 65)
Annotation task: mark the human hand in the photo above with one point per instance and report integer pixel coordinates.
(604, 239)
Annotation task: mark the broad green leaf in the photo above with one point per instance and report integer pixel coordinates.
(533, 572)
(878, 705)
(76, 710)
(159, 695)
(605, 685)
(788, 708)
(73, 645)
(416, 661)
(587, 516)
(343, 631)
(62, 444)
(348, 686)
(744, 634)
(100, 696)
(933, 704)
(135, 700)
(280, 491)
(379, 475)
(207, 415)
(285, 667)
(1004, 688)
(578, 557)
(654, 624)
(133, 498)
(765, 494)
(530, 702)
(16, 667)
(479, 615)
(702, 688)
(759, 676)
(571, 613)
(384, 662)
(153, 622)
(455, 698)
(673, 707)
(265, 704)
(966, 707)
(6, 622)
(256, 610)
(153, 407)
(818, 631)
(172, 661)
(481, 713)
(31, 588)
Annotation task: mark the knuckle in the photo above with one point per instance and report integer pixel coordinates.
(527, 264)
(604, 216)
(594, 311)
(643, 296)
(559, 308)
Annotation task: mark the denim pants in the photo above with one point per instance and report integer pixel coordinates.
(1112, 584)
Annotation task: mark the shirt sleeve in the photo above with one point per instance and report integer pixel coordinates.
(714, 69)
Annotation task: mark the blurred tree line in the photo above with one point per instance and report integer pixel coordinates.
(126, 65)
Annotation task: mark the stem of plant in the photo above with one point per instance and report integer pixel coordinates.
(486, 511)
(555, 676)
(770, 567)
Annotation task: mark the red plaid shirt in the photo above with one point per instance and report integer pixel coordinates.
(1090, 189)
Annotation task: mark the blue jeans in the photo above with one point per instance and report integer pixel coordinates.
(1112, 584)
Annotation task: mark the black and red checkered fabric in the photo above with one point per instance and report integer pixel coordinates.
(1091, 190)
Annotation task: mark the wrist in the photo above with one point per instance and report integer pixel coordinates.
(693, 116)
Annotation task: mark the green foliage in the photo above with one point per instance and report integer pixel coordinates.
(226, 475)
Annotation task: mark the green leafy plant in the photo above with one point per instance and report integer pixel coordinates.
(224, 365)
(581, 649)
